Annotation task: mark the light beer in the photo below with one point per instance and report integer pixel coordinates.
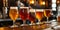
(13, 13)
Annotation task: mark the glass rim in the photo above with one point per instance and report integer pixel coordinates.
(39, 10)
(32, 10)
(13, 7)
(24, 7)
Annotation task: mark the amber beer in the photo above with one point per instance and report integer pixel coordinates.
(58, 18)
(39, 14)
(13, 13)
(47, 13)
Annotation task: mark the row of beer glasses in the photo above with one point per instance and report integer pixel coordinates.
(28, 14)
(40, 13)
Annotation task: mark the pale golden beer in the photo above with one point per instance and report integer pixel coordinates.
(13, 13)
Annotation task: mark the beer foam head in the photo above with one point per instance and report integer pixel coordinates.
(39, 10)
(32, 10)
(13, 7)
(24, 7)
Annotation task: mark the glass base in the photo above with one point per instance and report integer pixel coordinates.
(32, 24)
(37, 23)
(47, 22)
(24, 25)
(13, 26)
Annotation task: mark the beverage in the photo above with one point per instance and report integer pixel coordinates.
(31, 16)
(23, 13)
(39, 15)
(47, 13)
(13, 13)
(58, 18)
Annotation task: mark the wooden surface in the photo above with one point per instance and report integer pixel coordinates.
(36, 27)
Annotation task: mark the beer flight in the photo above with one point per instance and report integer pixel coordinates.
(24, 13)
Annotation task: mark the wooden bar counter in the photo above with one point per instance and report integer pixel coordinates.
(7, 28)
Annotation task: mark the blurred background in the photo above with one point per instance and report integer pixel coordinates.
(5, 5)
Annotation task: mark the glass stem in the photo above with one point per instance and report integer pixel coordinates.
(13, 22)
(39, 21)
(13, 25)
(24, 22)
(32, 22)
(47, 19)
(24, 25)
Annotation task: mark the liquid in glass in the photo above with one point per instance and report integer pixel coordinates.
(23, 14)
(13, 14)
(47, 13)
(58, 18)
(39, 15)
